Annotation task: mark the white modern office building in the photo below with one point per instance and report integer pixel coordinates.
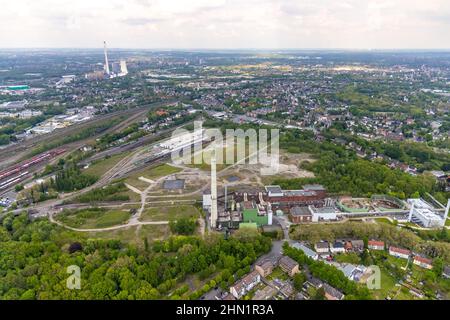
(423, 213)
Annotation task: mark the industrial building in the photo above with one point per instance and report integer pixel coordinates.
(306, 205)
(424, 214)
(309, 195)
(312, 214)
(118, 68)
(14, 105)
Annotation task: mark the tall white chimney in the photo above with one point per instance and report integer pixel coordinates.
(411, 212)
(446, 212)
(226, 197)
(213, 189)
(123, 67)
(106, 58)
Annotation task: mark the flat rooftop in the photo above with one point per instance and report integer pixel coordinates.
(174, 184)
(314, 187)
(273, 189)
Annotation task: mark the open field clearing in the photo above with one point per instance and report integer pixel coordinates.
(164, 213)
(150, 174)
(99, 168)
(94, 218)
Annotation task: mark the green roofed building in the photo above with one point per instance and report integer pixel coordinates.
(251, 216)
(250, 225)
(19, 87)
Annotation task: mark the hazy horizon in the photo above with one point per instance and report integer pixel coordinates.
(226, 24)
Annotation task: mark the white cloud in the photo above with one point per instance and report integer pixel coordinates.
(226, 23)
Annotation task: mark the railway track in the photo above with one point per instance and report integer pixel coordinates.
(15, 153)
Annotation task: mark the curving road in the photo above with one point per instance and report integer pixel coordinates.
(129, 224)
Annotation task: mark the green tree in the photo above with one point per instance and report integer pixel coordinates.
(299, 280)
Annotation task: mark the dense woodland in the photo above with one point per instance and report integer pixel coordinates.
(341, 171)
(34, 257)
(70, 179)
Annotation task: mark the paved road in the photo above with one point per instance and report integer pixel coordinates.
(285, 224)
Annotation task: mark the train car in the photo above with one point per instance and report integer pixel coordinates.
(46, 156)
(8, 183)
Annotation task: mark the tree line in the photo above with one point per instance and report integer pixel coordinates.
(35, 256)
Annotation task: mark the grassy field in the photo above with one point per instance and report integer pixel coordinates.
(405, 295)
(100, 167)
(134, 235)
(113, 192)
(447, 223)
(220, 166)
(93, 218)
(134, 197)
(277, 273)
(388, 287)
(399, 262)
(150, 173)
(155, 232)
(168, 213)
(348, 258)
(383, 220)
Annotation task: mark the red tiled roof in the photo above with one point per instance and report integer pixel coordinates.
(376, 243)
(423, 260)
(399, 250)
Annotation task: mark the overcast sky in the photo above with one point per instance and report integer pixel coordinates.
(363, 24)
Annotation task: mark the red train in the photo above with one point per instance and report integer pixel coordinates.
(25, 165)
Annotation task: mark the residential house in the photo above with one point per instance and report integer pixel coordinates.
(264, 268)
(315, 282)
(423, 262)
(307, 251)
(241, 287)
(332, 293)
(265, 294)
(358, 245)
(376, 245)
(229, 297)
(322, 247)
(446, 272)
(348, 246)
(289, 265)
(353, 272)
(399, 252)
(337, 247)
(287, 290)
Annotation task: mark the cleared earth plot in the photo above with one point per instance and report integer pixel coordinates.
(150, 173)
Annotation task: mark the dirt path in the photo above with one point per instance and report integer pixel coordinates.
(134, 189)
(129, 224)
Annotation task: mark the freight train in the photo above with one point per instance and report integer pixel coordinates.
(16, 173)
(13, 180)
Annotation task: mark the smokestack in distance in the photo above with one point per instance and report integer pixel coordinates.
(106, 59)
